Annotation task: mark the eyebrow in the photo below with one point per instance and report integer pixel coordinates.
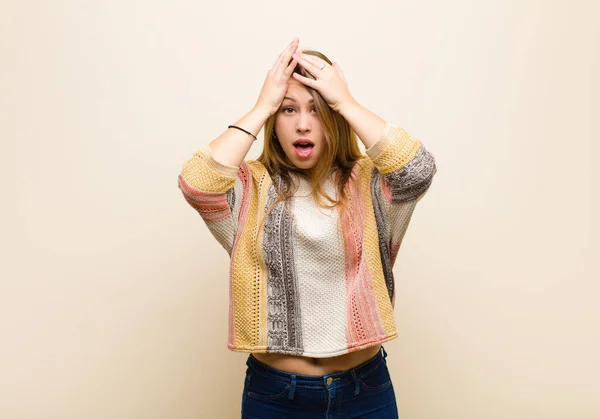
(294, 100)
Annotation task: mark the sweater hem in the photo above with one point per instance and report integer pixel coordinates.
(299, 352)
(381, 145)
(394, 150)
(221, 168)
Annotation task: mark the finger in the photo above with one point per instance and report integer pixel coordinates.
(290, 68)
(285, 55)
(282, 56)
(304, 62)
(318, 62)
(307, 81)
(340, 71)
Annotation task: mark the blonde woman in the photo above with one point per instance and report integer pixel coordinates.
(312, 228)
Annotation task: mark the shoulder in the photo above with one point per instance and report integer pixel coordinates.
(253, 168)
(364, 165)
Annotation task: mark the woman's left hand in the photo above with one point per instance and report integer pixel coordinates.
(330, 81)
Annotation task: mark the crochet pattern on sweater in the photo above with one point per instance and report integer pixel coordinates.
(307, 280)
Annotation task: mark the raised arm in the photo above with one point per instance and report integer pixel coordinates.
(232, 146)
(211, 180)
(406, 165)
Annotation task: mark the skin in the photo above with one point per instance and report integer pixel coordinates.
(317, 366)
(298, 119)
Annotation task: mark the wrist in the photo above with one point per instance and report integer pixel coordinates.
(262, 111)
(347, 107)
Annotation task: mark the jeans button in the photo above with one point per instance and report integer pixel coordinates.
(329, 380)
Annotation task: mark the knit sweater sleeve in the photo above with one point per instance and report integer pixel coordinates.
(402, 171)
(214, 190)
(405, 165)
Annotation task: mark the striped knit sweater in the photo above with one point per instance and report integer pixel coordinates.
(312, 281)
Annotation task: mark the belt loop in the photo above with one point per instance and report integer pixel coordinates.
(293, 387)
(384, 352)
(356, 386)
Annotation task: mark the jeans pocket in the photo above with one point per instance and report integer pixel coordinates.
(377, 379)
(265, 388)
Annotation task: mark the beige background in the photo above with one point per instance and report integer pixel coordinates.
(113, 294)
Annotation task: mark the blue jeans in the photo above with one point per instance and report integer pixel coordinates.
(365, 391)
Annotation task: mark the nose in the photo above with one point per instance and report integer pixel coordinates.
(303, 122)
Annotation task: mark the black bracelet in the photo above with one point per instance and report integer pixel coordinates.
(235, 126)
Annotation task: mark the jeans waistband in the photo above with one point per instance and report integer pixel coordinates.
(335, 379)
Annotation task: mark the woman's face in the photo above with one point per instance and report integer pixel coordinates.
(296, 122)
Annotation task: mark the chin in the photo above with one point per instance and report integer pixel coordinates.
(302, 164)
(304, 167)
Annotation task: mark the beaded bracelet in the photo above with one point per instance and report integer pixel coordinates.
(235, 126)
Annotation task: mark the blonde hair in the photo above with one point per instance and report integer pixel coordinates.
(339, 154)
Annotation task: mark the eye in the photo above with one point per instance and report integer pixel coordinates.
(284, 110)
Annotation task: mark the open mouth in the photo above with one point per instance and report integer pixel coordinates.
(303, 149)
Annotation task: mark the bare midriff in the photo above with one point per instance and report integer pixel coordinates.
(317, 366)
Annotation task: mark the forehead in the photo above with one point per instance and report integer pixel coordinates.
(298, 91)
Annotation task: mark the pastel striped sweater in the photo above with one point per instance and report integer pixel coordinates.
(312, 281)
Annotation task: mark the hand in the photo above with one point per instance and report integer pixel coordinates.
(330, 81)
(275, 84)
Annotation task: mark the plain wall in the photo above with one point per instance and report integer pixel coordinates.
(113, 293)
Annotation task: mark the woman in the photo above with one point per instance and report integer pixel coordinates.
(312, 227)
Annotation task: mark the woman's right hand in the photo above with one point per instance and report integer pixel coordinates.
(275, 84)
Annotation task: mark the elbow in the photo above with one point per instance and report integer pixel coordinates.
(413, 180)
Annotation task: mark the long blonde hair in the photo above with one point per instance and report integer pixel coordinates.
(340, 151)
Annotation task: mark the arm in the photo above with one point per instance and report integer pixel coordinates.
(365, 123)
(211, 179)
(407, 168)
(389, 153)
(216, 179)
(231, 147)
